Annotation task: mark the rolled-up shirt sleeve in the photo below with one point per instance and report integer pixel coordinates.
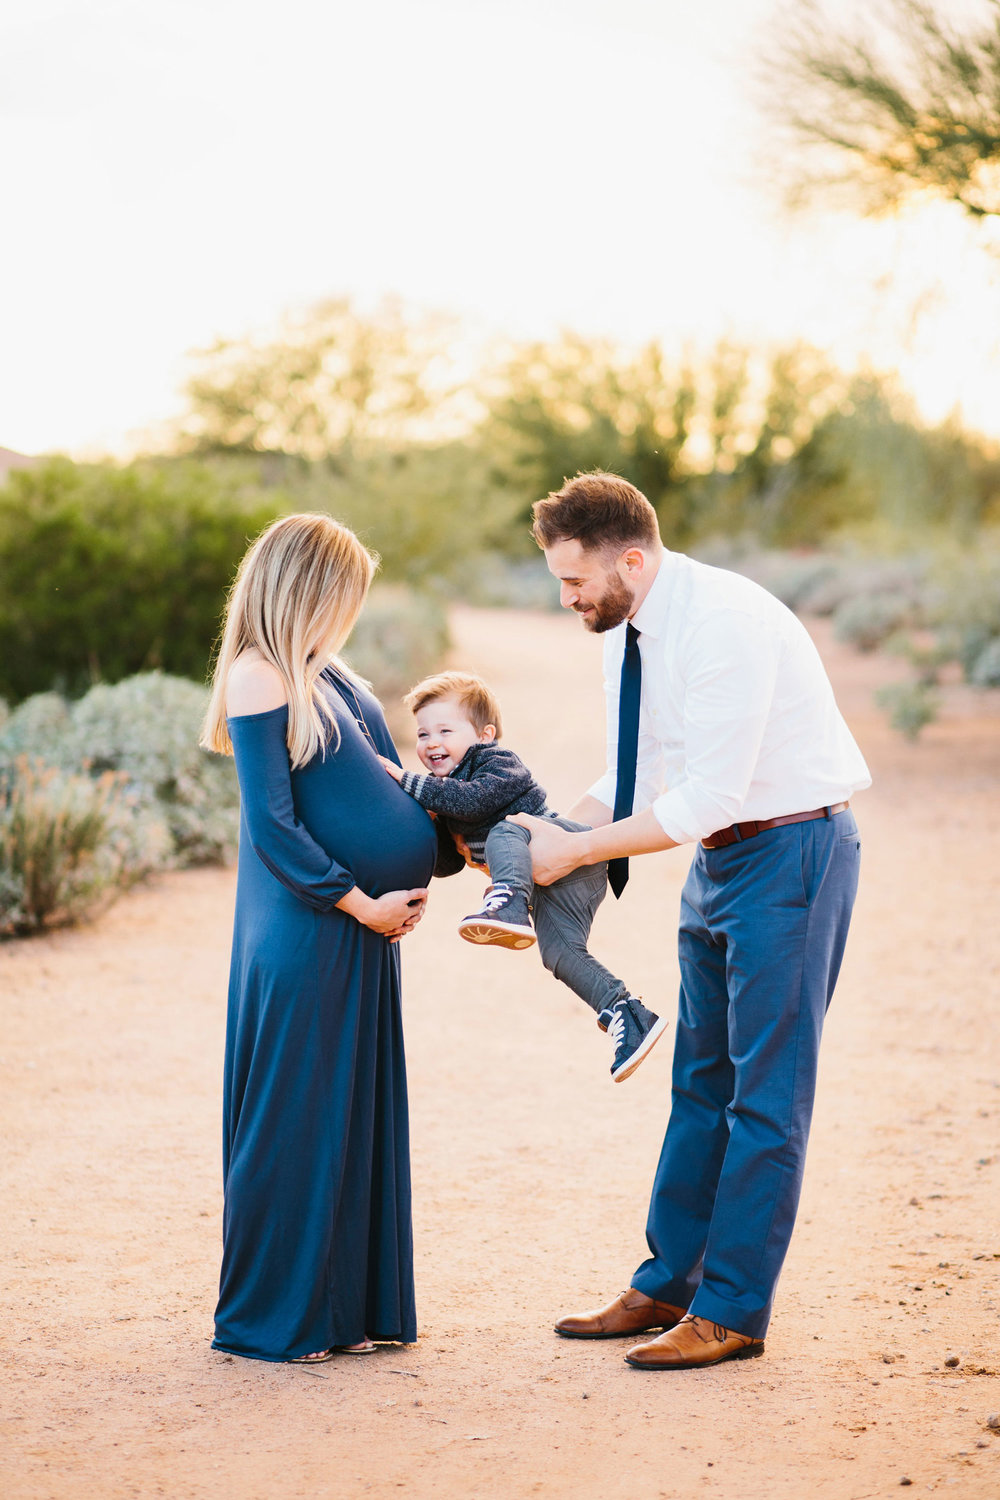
(730, 669)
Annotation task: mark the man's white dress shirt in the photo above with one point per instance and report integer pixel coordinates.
(738, 720)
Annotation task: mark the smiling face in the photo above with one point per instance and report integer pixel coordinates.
(598, 590)
(444, 733)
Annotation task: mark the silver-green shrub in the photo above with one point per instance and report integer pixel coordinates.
(964, 605)
(910, 705)
(145, 728)
(986, 668)
(866, 621)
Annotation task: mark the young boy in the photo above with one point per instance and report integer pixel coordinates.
(472, 786)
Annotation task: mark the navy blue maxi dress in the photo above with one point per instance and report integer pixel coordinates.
(317, 1240)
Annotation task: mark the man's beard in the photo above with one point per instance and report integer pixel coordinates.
(614, 606)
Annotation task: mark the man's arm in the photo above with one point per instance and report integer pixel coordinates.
(587, 809)
(555, 853)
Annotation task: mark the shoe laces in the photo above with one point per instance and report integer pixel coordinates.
(496, 896)
(616, 1029)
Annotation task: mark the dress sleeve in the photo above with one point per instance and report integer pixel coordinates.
(281, 842)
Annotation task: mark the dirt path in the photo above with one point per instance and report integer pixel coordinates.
(531, 1176)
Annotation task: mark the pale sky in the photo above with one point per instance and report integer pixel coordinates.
(179, 170)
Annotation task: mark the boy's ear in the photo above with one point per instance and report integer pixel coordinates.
(489, 733)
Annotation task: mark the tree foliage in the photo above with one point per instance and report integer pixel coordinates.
(909, 109)
(327, 380)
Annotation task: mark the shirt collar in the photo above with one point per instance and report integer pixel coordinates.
(651, 616)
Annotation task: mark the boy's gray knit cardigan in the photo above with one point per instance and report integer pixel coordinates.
(489, 782)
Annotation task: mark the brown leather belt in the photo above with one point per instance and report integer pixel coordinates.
(740, 831)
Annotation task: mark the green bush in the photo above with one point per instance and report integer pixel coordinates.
(105, 571)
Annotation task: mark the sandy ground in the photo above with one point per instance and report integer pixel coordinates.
(531, 1175)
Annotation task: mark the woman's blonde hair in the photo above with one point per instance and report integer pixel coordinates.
(296, 597)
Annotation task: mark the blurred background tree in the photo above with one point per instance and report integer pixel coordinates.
(573, 405)
(109, 570)
(325, 382)
(903, 106)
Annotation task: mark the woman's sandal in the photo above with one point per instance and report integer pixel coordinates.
(324, 1354)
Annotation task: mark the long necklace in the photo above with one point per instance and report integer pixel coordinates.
(359, 717)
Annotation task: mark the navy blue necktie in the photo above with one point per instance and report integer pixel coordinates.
(629, 695)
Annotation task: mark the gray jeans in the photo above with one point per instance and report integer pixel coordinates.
(563, 912)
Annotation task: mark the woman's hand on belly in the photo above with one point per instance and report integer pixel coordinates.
(393, 915)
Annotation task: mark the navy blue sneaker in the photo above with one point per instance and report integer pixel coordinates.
(504, 919)
(634, 1032)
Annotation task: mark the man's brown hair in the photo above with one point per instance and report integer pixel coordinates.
(477, 700)
(600, 511)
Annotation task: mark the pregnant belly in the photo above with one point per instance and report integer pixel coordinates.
(380, 834)
(398, 849)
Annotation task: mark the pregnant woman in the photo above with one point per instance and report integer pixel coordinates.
(333, 866)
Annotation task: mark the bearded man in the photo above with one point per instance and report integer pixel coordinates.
(723, 732)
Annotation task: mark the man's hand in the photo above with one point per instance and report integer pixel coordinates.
(466, 854)
(554, 852)
(396, 772)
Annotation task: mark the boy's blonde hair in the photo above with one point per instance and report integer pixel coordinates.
(297, 595)
(477, 700)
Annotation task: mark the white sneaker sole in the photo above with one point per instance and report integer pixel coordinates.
(645, 1047)
(498, 934)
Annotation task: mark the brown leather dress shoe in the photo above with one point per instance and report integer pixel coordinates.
(631, 1312)
(693, 1345)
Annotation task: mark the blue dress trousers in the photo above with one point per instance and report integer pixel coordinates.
(762, 931)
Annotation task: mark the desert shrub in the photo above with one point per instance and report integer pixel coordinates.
(146, 730)
(870, 619)
(39, 728)
(109, 571)
(854, 574)
(797, 584)
(402, 635)
(964, 603)
(147, 727)
(67, 845)
(910, 705)
(511, 583)
(985, 670)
